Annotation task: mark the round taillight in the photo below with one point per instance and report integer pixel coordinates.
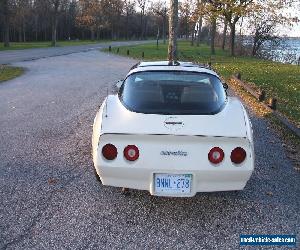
(238, 155)
(131, 153)
(109, 151)
(216, 155)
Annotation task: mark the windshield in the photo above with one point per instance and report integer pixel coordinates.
(173, 92)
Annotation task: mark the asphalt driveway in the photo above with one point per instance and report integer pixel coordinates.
(50, 198)
(12, 56)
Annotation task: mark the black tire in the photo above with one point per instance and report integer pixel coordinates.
(97, 176)
(125, 191)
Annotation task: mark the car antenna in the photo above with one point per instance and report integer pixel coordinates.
(106, 103)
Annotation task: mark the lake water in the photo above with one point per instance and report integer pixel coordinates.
(287, 51)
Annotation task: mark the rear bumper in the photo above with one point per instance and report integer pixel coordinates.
(202, 180)
(206, 177)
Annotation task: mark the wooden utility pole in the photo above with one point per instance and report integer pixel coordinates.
(173, 23)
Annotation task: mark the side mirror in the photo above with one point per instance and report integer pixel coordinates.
(119, 84)
(225, 85)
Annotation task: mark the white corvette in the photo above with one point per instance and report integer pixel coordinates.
(172, 130)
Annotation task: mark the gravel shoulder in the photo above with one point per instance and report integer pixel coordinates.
(51, 199)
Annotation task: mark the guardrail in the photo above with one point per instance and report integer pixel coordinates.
(260, 95)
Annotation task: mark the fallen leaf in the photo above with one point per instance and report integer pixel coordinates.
(52, 181)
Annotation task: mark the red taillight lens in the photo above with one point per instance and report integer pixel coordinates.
(109, 151)
(131, 153)
(216, 155)
(238, 155)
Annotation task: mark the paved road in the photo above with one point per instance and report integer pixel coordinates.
(12, 56)
(50, 198)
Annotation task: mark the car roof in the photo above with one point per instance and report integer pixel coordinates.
(175, 66)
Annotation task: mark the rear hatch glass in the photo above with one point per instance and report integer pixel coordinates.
(173, 92)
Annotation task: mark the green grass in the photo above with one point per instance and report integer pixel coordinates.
(8, 72)
(281, 81)
(32, 45)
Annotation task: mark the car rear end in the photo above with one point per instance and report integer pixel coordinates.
(174, 132)
(171, 165)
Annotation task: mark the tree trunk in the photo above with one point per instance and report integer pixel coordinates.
(142, 26)
(186, 30)
(232, 39)
(54, 22)
(157, 37)
(199, 30)
(24, 32)
(54, 30)
(145, 27)
(127, 28)
(173, 22)
(164, 28)
(5, 12)
(253, 50)
(19, 34)
(92, 34)
(224, 35)
(193, 35)
(112, 33)
(213, 35)
(36, 28)
(255, 46)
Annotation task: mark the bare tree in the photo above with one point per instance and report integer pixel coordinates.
(5, 10)
(193, 20)
(21, 10)
(213, 9)
(188, 17)
(159, 8)
(112, 10)
(55, 5)
(224, 34)
(233, 10)
(213, 35)
(201, 11)
(173, 23)
(142, 6)
(129, 6)
(37, 20)
(185, 15)
(89, 15)
(264, 23)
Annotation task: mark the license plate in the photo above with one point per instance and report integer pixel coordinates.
(173, 183)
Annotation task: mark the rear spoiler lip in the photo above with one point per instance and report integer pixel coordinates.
(215, 136)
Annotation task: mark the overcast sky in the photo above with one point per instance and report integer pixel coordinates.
(291, 32)
(294, 32)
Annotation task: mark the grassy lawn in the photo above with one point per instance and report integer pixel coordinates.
(32, 45)
(281, 81)
(8, 72)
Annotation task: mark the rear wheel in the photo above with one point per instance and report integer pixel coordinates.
(125, 191)
(97, 176)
